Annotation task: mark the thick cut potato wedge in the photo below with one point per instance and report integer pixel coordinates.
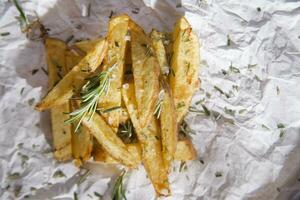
(168, 126)
(117, 31)
(160, 51)
(56, 61)
(145, 72)
(87, 45)
(184, 63)
(74, 80)
(109, 140)
(150, 142)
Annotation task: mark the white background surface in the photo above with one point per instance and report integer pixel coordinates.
(255, 162)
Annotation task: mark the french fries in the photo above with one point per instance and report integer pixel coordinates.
(150, 142)
(130, 108)
(145, 72)
(117, 31)
(75, 79)
(56, 61)
(184, 63)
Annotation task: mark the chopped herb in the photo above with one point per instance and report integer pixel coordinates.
(221, 91)
(242, 111)
(234, 69)
(278, 189)
(118, 192)
(135, 10)
(281, 133)
(58, 174)
(278, 90)
(22, 90)
(180, 104)
(98, 195)
(195, 110)
(116, 44)
(251, 66)
(148, 50)
(265, 127)
(71, 37)
(224, 72)
(31, 101)
(235, 87)
(179, 5)
(200, 101)
(157, 137)
(206, 111)
(5, 33)
(110, 109)
(182, 166)
(208, 95)
(201, 161)
(14, 176)
(83, 177)
(20, 145)
(34, 71)
(185, 130)
(111, 14)
(79, 26)
(280, 125)
(218, 174)
(258, 9)
(257, 78)
(24, 159)
(44, 70)
(188, 65)
(228, 40)
(75, 196)
(229, 111)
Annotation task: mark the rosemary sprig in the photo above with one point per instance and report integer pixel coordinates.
(118, 192)
(158, 106)
(91, 92)
(22, 17)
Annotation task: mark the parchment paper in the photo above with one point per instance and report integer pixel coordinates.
(249, 146)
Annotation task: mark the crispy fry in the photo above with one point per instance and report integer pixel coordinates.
(185, 150)
(145, 72)
(74, 80)
(117, 30)
(184, 63)
(109, 140)
(168, 126)
(56, 61)
(150, 143)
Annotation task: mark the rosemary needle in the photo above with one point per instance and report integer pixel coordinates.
(118, 192)
(91, 92)
(158, 106)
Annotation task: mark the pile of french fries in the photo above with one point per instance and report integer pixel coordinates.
(152, 79)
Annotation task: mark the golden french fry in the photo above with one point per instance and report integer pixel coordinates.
(145, 72)
(168, 126)
(87, 45)
(74, 80)
(109, 140)
(117, 31)
(56, 61)
(185, 150)
(184, 64)
(150, 143)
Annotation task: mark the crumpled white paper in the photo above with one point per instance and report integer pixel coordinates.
(249, 146)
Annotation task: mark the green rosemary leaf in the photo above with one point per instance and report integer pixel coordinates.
(14, 176)
(218, 174)
(221, 91)
(98, 195)
(58, 174)
(180, 105)
(206, 111)
(234, 69)
(265, 127)
(44, 70)
(22, 17)
(182, 166)
(277, 90)
(5, 33)
(229, 111)
(118, 192)
(281, 133)
(34, 71)
(280, 125)
(228, 40)
(75, 196)
(83, 177)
